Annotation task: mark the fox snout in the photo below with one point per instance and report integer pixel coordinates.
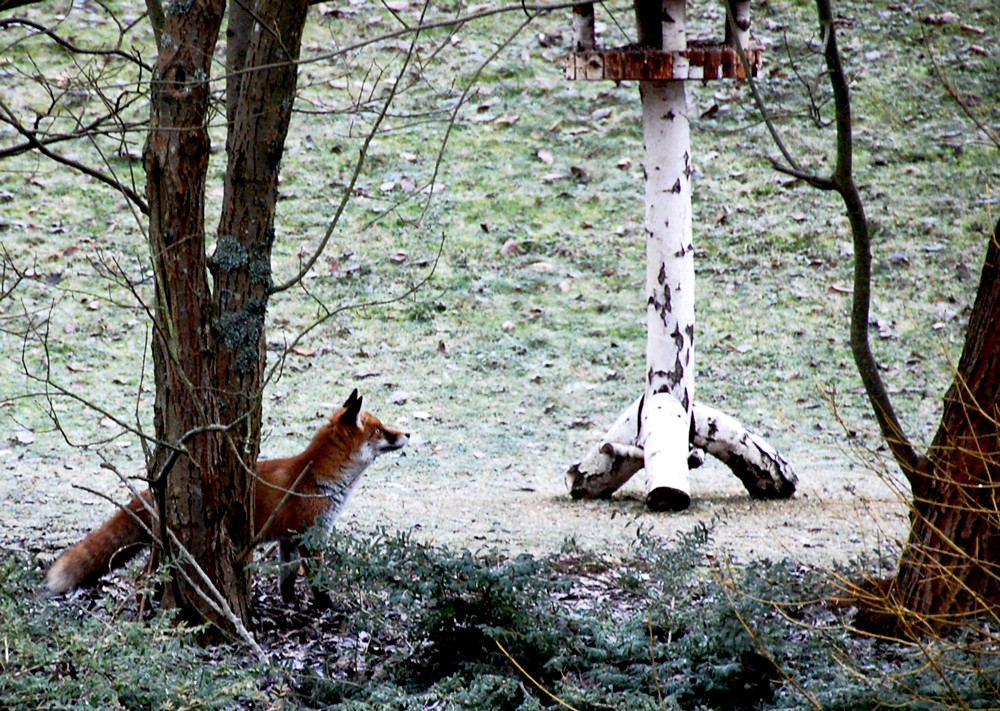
(394, 440)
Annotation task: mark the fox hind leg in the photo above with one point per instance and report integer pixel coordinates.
(293, 556)
(310, 561)
(289, 570)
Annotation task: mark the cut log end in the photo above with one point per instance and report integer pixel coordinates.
(665, 498)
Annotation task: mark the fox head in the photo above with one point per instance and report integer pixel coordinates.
(360, 435)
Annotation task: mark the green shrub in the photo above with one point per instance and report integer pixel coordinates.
(88, 654)
(418, 626)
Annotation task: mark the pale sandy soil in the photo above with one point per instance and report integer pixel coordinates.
(839, 512)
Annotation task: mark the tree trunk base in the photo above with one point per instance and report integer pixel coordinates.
(617, 457)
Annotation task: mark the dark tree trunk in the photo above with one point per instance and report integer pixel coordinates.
(209, 349)
(950, 568)
(176, 159)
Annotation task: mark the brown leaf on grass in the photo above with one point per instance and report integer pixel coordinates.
(510, 248)
(304, 351)
(545, 155)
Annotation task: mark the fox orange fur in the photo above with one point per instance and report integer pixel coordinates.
(327, 471)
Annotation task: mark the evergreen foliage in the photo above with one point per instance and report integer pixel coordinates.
(418, 627)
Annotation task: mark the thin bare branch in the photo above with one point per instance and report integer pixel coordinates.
(66, 44)
(912, 462)
(349, 189)
(795, 168)
(38, 144)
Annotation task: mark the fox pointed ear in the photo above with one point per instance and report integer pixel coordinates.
(352, 409)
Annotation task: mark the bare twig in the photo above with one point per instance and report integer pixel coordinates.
(762, 107)
(38, 144)
(912, 463)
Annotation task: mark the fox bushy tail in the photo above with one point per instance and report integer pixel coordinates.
(110, 546)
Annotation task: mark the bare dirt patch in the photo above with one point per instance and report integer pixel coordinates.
(839, 512)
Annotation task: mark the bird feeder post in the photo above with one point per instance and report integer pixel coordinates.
(665, 421)
(658, 431)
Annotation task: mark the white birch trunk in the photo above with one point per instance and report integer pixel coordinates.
(583, 27)
(761, 468)
(669, 280)
(611, 462)
(741, 16)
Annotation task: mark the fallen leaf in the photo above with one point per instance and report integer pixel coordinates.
(510, 248)
(545, 155)
(305, 351)
(943, 19)
(25, 436)
(107, 422)
(398, 257)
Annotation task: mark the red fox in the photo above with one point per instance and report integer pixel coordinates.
(327, 471)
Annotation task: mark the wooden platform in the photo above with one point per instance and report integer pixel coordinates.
(700, 61)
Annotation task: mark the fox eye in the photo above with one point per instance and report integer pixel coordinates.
(378, 430)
